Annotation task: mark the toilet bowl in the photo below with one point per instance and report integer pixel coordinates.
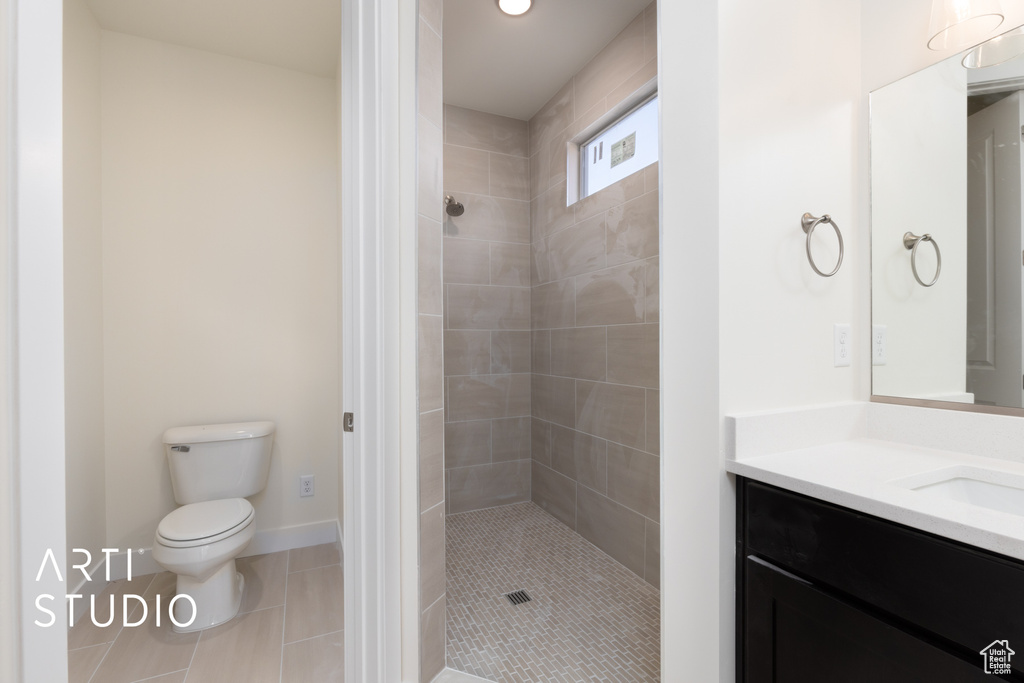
(199, 543)
(213, 468)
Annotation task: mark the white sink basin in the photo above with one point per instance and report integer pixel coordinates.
(992, 489)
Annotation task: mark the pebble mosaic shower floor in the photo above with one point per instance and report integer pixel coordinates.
(589, 618)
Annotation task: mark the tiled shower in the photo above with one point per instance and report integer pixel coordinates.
(551, 317)
(550, 383)
(487, 316)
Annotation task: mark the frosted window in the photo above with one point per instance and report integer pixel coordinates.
(623, 148)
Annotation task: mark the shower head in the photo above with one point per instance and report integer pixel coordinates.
(452, 207)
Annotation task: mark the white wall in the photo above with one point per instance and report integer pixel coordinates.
(220, 272)
(83, 287)
(696, 592)
(919, 183)
(790, 93)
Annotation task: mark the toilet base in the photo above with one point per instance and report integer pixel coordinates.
(217, 599)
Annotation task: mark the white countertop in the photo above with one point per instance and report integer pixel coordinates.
(857, 470)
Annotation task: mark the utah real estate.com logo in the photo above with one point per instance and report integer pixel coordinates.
(997, 657)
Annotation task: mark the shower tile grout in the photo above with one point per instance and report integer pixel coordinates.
(579, 595)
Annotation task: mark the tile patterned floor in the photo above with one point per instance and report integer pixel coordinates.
(590, 618)
(289, 629)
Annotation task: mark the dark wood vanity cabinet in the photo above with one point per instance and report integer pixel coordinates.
(826, 594)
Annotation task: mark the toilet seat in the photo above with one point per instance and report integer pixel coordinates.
(204, 523)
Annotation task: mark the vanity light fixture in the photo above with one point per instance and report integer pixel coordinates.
(1000, 49)
(514, 7)
(958, 23)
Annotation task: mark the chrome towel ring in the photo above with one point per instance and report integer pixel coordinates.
(809, 223)
(912, 242)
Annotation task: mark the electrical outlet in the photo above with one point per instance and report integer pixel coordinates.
(878, 352)
(841, 333)
(306, 485)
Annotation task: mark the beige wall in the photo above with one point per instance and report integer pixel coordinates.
(220, 272)
(83, 288)
(487, 316)
(595, 320)
(430, 354)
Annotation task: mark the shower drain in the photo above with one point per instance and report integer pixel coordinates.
(518, 597)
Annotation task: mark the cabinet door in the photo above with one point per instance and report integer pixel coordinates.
(797, 633)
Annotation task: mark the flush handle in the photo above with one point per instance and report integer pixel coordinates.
(181, 449)
(349, 422)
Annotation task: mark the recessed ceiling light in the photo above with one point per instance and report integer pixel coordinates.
(514, 7)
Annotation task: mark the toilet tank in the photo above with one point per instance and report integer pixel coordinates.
(209, 462)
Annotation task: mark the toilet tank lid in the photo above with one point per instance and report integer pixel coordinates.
(220, 432)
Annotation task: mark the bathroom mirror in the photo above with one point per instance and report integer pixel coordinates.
(946, 167)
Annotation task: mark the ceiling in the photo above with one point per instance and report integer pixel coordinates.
(513, 65)
(304, 35)
(492, 62)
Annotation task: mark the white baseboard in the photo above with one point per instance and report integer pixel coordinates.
(298, 536)
(87, 587)
(265, 541)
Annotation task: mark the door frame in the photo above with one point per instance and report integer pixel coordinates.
(378, 261)
(32, 310)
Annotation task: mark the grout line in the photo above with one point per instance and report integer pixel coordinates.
(606, 354)
(142, 680)
(490, 181)
(284, 613)
(110, 645)
(606, 482)
(643, 557)
(489, 241)
(588, 327)
(442, 594)
(494, 507)
(489, 151)
(310, 569)
(253, 611)
(89, 647)
(195, 649)
(322, 635)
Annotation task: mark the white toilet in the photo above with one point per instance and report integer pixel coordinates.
(213, 468)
